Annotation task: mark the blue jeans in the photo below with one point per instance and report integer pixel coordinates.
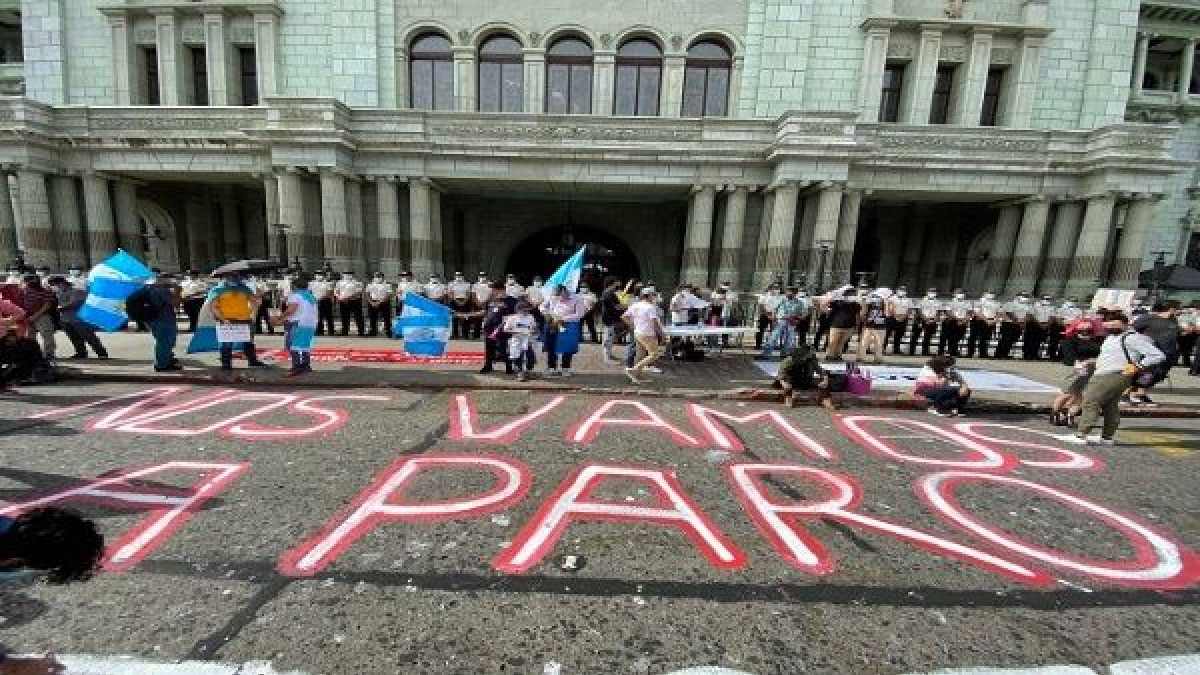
(945, 398)
(782, 336)
(164, 331)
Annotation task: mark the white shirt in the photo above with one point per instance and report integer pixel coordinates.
(379, 291)
(959, 308)
(347, 289)
(320, 289)
(645, 318)
(513, 289)
(306, 312)
(77, 280)
(520, 325)
(1043, 311)
(1141, 350)
(482, 290)
(988, 308)
(930, 308)
(459, 289)
(900, 306)
(190, 287)
(535, 295)
(406, 287)
(435, 290)
(769, 301)
(589, 299)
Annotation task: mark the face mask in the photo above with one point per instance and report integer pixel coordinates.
(319, 277)
(931, 296)
(959, 296)
(989, 296)
(901, 294)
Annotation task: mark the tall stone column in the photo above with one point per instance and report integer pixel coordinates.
(271, 206)
(672, 88)
(1062, 248)
(604, 67)
(354, 224)
(266, 50)
(847, 237)
(764, 239)
(1027, 255)
(1132, 250)
(335, 228)
(465, 91)
(421, 228)
(1088, 262)
(535, 79)
(968, 105)
(698, 238)
(870, 88)
(129, 230)
(803, 241)
(101, 229)
(1003, 243)
(1141, 51)
(823, 245)
(389, 247)
(910, 263)
(8, 222)
(1186, 65)
(304, 240)
(779, 242)
(36, 228)
(729, 266)
(172, 84)
(218, 59)
(435, 222)
(124, 59)
(917, 97)
(1025, 77)
(68, 229)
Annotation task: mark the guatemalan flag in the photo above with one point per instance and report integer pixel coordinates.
(568, 275)
(204, 338)
(424, 325)
(109, 284)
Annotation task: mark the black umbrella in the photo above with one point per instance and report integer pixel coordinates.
(246, 266)
(1174, 277)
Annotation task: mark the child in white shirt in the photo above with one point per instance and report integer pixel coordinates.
(520, 328)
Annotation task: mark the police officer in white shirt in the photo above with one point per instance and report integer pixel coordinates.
(262, 311)
(1012, 323)
(379, 305)
(481, 292)
(590, 300)
(436, 290)
(407, 285)
(482, 289)
(984, 315)
(462, 302)
(1038, 330)
(192, 290)
(768, 302)
(954, 324)
(899, 309)
(322, 290)
(349, 293)
(76, 279)
(515, 290)
(535, 292)
(929, 311)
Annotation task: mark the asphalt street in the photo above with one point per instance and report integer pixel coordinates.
(380, 531)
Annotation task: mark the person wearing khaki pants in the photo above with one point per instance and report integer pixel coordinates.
(643, 317)
(844, 315)
(874, 320)
(1123, 355)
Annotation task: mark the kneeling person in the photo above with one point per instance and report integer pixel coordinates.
(801, 369)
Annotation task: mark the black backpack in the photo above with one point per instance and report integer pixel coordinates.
(140, 305)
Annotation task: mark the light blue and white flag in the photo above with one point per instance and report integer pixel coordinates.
(109, 284)
(424, 325)
(568, 275)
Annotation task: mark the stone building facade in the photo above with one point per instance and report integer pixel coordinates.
(1012, 145)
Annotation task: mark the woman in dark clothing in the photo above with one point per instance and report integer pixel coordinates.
(1079, 351)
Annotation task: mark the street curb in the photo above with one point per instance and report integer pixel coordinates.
(893, 402)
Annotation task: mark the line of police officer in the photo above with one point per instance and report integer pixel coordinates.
(346, 298)
(960, 326)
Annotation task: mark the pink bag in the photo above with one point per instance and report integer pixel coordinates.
(858, 383)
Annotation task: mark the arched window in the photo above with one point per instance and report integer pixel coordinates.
(501, 75)
(569, 77)
(639, 78)
(706, 81)
(431, 73)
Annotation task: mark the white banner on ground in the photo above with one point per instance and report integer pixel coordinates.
(1113, 298)
(905, 377)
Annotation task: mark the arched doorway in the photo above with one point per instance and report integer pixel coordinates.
(539, 254)
(157, 230)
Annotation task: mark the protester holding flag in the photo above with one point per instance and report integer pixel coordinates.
(231, 305)
(79, 332)
(162, 297)
(299, 320)
(424, 326)
(563, 311)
